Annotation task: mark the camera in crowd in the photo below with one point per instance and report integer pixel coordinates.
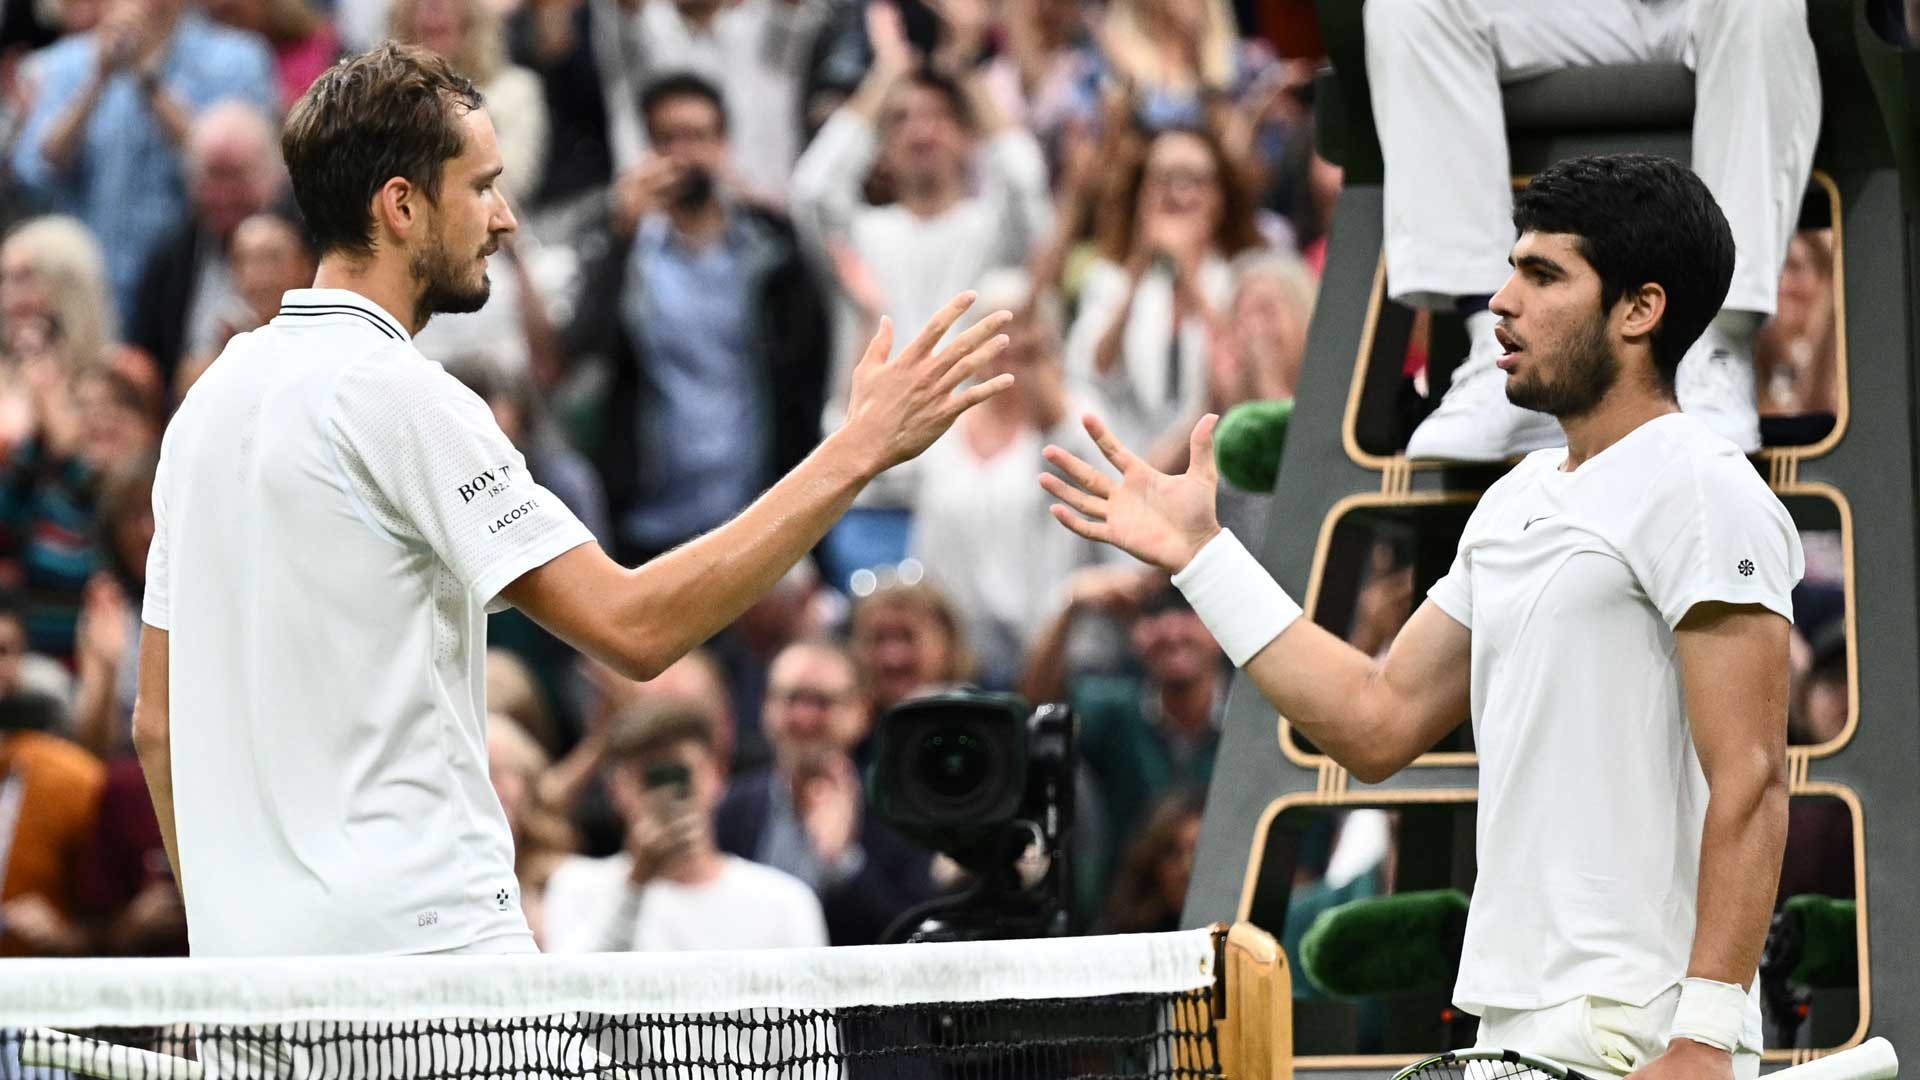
(988, 782)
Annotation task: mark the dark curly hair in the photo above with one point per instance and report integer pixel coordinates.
(1640, 219)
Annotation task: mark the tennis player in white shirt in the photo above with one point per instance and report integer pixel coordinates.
(1615, 625)
(335, 515)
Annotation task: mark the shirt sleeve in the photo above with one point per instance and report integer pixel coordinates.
(155, 605)
(1453, 593)
(1715, 532)
(432, 467)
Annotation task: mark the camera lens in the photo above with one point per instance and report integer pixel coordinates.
(953, 763)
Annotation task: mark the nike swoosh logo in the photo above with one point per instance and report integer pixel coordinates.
(1531, 520)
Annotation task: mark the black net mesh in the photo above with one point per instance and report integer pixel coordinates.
(1146, 1035)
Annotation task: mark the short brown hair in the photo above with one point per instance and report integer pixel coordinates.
(393, 111)
(655, 723)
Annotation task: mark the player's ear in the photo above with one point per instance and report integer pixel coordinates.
(1642, 309)
(396, 207)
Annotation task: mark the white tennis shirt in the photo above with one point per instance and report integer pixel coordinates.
(333, 516)
(1592, 800)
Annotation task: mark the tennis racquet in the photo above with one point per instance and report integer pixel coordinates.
(1872, 1060)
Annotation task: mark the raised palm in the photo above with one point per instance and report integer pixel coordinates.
(898, 407)
(1156, 518)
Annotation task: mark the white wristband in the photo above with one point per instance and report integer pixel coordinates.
(1243, 607)
(1714, 1013)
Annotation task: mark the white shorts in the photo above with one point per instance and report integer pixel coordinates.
(1596, 1036)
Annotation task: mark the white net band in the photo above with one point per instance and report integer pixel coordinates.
(131, 993)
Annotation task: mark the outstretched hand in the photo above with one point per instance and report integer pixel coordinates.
(1157, 518)
(899, 406)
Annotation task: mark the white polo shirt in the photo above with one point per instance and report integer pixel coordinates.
(333, 516)
(1592, 800)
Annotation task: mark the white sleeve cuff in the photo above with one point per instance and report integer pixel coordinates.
(1243, 607)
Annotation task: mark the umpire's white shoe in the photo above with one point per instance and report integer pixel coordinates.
(1715, 384)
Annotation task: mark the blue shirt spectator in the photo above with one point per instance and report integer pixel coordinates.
(715, 332)
(704, 451)
(120, 169)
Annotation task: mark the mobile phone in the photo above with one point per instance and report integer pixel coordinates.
(669, 774)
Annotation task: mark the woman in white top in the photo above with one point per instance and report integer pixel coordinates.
(1139, 346)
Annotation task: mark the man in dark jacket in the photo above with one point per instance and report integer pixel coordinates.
(716, 332)
(807, 813)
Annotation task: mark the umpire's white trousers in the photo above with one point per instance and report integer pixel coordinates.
(1436, 67)
(1601, 1038)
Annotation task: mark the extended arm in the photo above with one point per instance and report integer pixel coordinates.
(640, 620)
(1372, 717)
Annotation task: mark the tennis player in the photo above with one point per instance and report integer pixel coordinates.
(1615, 624)
(335, 515)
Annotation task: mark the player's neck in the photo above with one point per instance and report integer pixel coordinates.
(1623, 410)
(384, 281)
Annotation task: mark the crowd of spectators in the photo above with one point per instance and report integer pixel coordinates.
(720, 198)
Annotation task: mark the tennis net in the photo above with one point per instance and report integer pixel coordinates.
(1147, 1006)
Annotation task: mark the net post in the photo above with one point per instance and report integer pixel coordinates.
(1256, 1034)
